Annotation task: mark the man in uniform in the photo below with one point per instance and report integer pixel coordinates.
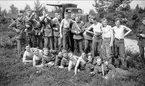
(78, 37)
(28, 30)
(141, 39)
(56, 25)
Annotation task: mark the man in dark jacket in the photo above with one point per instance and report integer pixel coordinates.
(141, 38)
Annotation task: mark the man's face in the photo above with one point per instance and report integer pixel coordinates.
(66, 15)
(99, 61)
(90, 58)
(143, 21)
(90, 19)
(28, 13)
(28, 48)
(117, 23)
(45, 20)
(77, 19)
(59, 17)
(83, 55)
(104, 22)
(35, 16)
(94, 21)
(65, 55)
(45, 52)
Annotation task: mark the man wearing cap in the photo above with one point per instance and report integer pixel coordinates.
(35, 20)
(19, 27)
(29, 32)
(141, 39)
(78, 37)
(56, 25)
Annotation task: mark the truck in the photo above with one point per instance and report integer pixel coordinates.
(72, 8)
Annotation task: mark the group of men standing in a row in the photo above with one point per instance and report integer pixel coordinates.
(71, 34)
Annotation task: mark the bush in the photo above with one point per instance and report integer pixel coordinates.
(5, 41)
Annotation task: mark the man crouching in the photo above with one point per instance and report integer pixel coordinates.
(72, 61)
(37, 58)
(46, 59)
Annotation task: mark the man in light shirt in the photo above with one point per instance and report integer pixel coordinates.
(65, 31)
(87, 37)
(97, 37)
(107, 40)
(119, 34)
(28, 55)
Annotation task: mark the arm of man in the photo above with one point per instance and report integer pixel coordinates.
(61, 25)
(112, 36)
(70, 65)
(34, 60)
(77, 64)
(24, 57)
(128, 31)
(89, 28)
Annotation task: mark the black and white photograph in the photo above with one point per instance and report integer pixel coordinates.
(72, 42)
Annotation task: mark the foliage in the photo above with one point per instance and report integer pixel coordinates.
(112, 9)
(13, 10)
(38, 8)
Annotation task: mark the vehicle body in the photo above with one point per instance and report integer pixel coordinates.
(72, 9)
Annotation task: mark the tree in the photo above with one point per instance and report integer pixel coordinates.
(38, 8)
(27, 8)
(112, 9)
(92, 12)
(13, 10)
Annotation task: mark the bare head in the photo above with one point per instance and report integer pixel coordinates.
(99, 60)
(117, 22)
(65, 55)
(60, 54)
(77, 19)
(66, 15)
(27, 48)
(104, 21)
(45, 51)
(56, 14)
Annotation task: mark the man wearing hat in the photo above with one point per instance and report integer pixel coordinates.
(141, 39)
(28, 30)
(56, 25)
(19, 26)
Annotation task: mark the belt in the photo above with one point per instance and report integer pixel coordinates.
(119, 39)
(107, 38)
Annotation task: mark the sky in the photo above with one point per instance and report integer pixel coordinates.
(86, 5)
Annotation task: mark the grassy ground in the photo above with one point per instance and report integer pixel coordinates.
(14, 73)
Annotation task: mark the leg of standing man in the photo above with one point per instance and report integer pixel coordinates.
(19, 47)
(122, 53)
(141, 49)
